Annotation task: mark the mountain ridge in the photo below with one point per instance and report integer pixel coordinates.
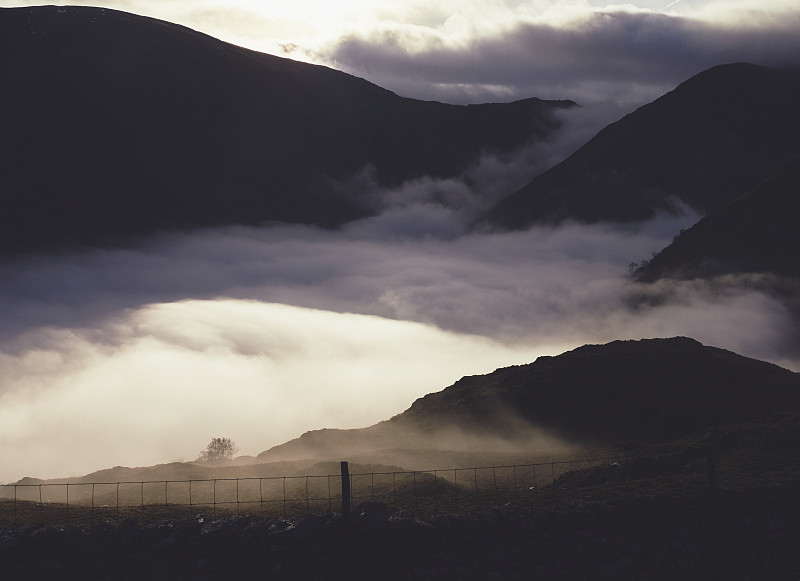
(651, 390)
(711, 139)
(754, 233)
(594, 399)
(118, 125)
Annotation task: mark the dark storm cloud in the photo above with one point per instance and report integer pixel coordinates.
(630, 57)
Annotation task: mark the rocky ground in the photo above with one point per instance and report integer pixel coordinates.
(744, 535)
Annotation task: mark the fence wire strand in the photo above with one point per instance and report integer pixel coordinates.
(450, 490)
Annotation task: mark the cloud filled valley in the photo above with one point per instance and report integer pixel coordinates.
(526, 268)
(138, 347)
(137, 355)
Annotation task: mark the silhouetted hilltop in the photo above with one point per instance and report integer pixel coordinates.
(653, 390)
(756, 233)
(710, 140)
(648, 390)
(116, 125)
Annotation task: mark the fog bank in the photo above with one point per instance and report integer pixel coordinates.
(140, 355)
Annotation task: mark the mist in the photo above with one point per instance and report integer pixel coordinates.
(139, 355)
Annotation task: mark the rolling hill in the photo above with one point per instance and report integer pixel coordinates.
(659, 513)
(649, 391)
(593, 399)
(117, 125)
(710, 140)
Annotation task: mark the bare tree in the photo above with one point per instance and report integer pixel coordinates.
(219, 449)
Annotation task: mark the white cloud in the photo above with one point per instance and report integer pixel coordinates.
(165, 378)
(292, 329)
(103, 360)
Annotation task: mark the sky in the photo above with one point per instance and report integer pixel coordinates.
(498, 50)
(140, 355)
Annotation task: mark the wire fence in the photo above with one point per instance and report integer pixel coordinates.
(454, 490)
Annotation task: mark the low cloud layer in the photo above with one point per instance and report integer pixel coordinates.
(140, 355)
(154, 384)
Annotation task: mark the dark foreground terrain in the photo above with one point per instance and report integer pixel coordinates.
(720, 505)
(714, 502)
(751, 535)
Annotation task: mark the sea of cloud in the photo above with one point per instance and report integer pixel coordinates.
(140, 354)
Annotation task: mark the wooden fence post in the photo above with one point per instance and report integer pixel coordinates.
(345, 490)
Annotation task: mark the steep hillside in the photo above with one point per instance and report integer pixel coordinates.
(756, 233)
(710, 140)
(116, 125)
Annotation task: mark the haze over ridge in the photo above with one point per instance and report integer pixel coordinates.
(515, 296)
(201, 359)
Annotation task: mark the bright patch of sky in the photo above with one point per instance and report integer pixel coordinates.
(305, 29)
(468, 51)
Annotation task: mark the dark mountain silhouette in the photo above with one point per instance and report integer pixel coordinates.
(707, 142)
(116, 125)
(650, 390)
(653, 390)
(756, 233)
